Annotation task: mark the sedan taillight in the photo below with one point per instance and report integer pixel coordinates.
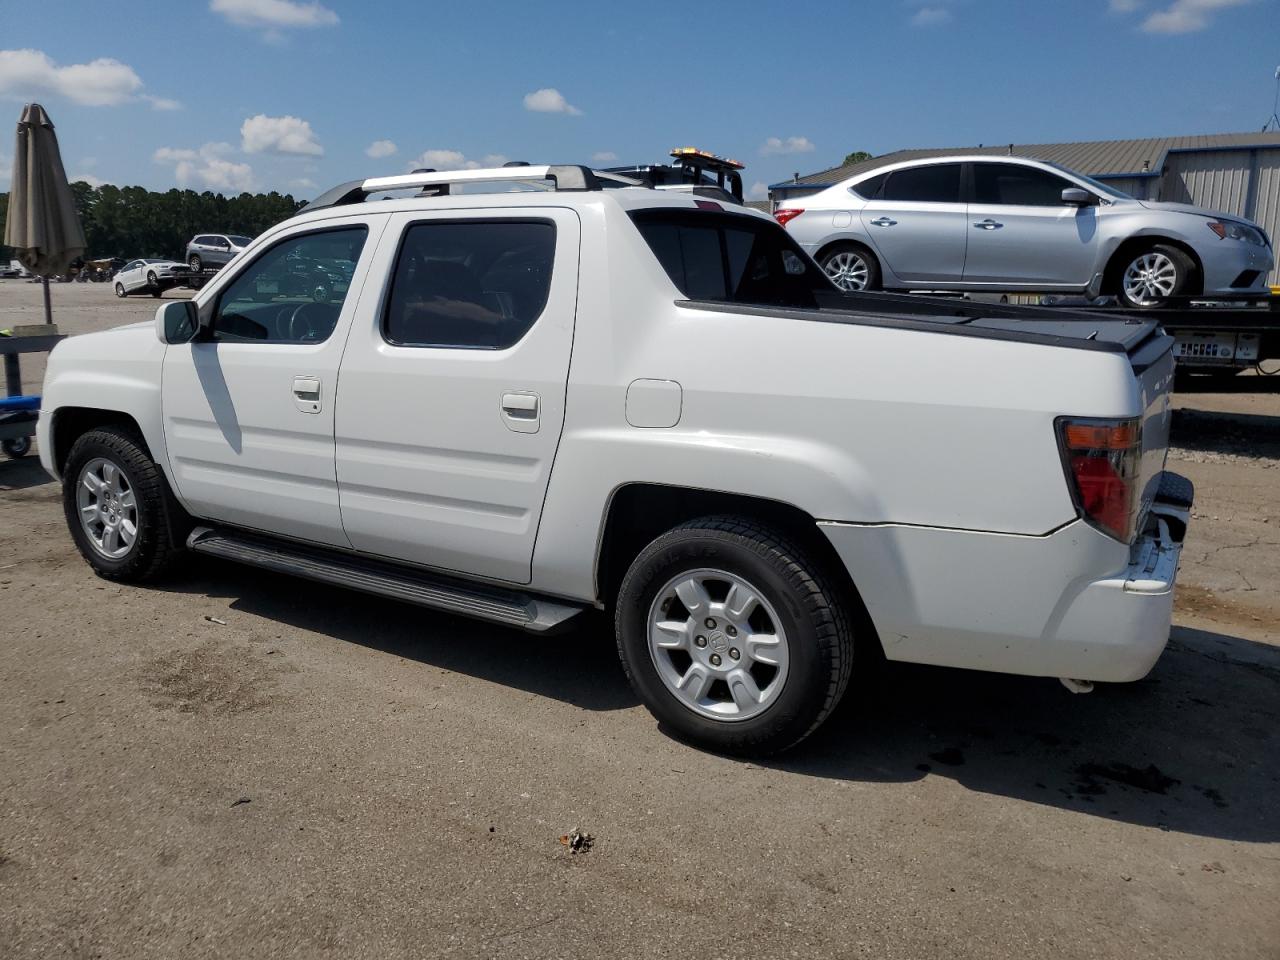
(1103, 459)
(786, 215)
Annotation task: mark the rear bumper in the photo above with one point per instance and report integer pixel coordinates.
(1074, 603)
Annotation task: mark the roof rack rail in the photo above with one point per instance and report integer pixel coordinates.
(572, 177)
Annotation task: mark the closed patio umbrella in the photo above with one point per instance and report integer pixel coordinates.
(42, 224)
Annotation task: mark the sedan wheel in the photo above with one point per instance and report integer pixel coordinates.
(120, 291)
(1154, 276)
(851, 269)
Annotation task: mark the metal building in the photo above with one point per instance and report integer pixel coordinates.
(1236, 173)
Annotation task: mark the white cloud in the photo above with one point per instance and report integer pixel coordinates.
(549, 100)
(88, 178)
(303, 183)
(287, 135)
(604, 156)
(26, 74)
(274, 13)
(1186, 16)
(759, 191)
(776, 146)
(208, 166)
(161, 103)
(931, 17)
(454, 160)
(1125, 6)
(380, 148)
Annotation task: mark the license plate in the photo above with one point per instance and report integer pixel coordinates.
(1217, 347)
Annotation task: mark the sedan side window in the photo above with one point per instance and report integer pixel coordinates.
(293, 291)
(1016, 185)
(870, 189)
(935, 183)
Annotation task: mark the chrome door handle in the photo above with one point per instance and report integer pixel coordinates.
(988, 224)
(883, 222)
(521, 411)
(306, 394)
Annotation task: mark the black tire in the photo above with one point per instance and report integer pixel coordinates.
(1183, 269)
(151, 553)
(152, 282)
(859, 252)
(156, 292)
(16, 447)
(195, 263)
(814, 617)
(121, 292)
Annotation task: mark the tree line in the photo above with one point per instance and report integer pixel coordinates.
(131, 222)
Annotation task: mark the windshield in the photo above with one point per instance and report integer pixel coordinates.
(1096, 184)
(731, 257)
(240, 241)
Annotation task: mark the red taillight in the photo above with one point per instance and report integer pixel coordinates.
(1103, 458)
(786, 215)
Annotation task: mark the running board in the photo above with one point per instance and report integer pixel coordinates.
(495, 604)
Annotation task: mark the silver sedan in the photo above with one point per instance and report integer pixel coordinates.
(1010, 224)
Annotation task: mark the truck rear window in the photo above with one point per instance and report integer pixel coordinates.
(731, 257)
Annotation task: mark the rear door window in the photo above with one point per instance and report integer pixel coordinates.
(478, 284)
(731, 257)
(935, 183)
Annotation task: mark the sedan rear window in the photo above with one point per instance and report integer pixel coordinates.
(731, 257)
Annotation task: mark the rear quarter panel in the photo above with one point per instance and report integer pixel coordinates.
(850, 423)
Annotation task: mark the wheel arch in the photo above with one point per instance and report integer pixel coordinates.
(638, 513)
(1142, 241)
(848, 241)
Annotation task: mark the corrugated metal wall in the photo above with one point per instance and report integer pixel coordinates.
(1134, 186)
(1267, 206)
(1219, 180)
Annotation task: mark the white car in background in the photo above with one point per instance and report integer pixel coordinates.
(149, 276)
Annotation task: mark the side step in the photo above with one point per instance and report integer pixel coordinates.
(495, 604)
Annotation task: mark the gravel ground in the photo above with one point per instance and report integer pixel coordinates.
(235, 763)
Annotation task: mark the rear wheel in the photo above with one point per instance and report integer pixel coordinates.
(113, 498)
(1152, 276)
(732, 637)
(851, 268)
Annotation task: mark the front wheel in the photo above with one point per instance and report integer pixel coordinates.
(851, 268)
(120, 291)
(195, 264)
(732, 637)
(113, 498)
(1152, 277)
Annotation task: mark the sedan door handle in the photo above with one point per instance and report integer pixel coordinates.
(306, 394)
(520, 411)
(883, 222)
(988, 224)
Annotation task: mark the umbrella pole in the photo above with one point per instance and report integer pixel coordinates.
(48, 308)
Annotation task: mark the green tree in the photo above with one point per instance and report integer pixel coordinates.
(856, 157)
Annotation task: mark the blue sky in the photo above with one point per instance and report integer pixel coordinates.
(294, 94)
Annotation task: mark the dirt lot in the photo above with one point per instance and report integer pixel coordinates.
(236, 763)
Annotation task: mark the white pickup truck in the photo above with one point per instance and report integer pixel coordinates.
(520, 405)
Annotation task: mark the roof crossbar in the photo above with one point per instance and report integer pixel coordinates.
(570, 177)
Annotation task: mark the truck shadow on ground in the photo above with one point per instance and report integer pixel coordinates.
(1251, 435)
(21, 474)
(1190, 749)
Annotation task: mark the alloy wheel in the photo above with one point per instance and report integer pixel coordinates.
(847, 270)
(108, 508)
(1150, 279)
(718, 645)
